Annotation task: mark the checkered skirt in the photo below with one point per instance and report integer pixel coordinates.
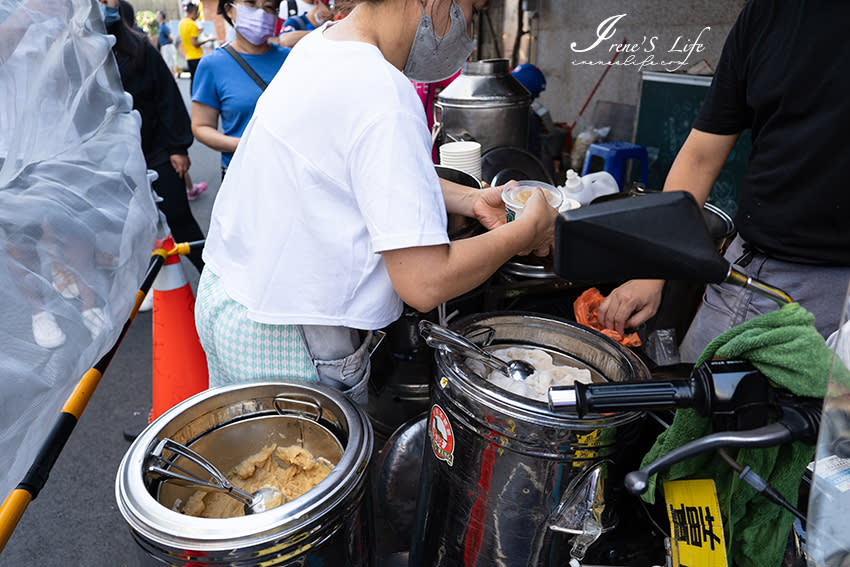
(240, 350)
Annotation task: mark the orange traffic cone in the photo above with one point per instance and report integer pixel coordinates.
(179, 363)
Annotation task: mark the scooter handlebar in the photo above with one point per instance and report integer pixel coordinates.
(630, 396)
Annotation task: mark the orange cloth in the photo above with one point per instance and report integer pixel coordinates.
(586, 310)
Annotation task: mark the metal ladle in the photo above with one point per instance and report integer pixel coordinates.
(444, 339)
(165, 468)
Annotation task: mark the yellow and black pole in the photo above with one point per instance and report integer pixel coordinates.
(27, 490)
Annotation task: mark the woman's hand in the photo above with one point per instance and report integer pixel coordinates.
(180, 163)
(541, 217)
(489, 208)
(631, 304)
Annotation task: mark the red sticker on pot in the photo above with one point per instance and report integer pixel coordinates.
(442, 437)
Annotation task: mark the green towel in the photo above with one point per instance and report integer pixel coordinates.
(785, 346)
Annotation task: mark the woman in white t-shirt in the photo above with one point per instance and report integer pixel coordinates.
(332, 216)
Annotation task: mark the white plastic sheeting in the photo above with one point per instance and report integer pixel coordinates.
(76, 211)
(828, 536)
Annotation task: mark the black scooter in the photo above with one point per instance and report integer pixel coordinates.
(662, 235)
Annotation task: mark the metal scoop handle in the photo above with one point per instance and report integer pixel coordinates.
(165, 468)
(441, 338)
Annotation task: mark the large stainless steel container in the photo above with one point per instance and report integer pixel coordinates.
(497, 466)
(487, 103)
(329, 525)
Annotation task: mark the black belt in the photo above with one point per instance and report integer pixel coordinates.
(750, 251)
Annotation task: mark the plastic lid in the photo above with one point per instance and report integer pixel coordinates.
(517, 193)
(573, 184)
(568, 205)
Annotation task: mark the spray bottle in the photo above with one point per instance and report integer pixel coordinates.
(585, 189)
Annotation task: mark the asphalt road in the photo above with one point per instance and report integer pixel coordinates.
(74, 521)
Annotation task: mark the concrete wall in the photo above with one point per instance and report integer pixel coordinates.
(656, 26)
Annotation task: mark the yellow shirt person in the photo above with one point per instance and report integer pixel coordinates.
(191, 44)
(189, 30)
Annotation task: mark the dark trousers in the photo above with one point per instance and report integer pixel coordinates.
(193, 66)
(175, 207)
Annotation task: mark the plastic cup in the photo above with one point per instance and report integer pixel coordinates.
(517, 193)
(465, 156)
(460, 149)
(568, 204)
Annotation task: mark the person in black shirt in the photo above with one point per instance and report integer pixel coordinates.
(166, 128)
(781, 74)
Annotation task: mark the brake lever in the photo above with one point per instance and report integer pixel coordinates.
(798, 423)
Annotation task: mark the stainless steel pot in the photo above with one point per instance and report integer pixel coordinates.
(485, 102)
(328, 525)
(501, 472)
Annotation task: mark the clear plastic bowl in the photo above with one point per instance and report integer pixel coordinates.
(517, 193)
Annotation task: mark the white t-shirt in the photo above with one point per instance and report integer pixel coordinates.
(334, 167)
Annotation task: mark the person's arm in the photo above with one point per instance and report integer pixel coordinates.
(695, 170)
(195, 37)
(699, 162)
(289, 39)
(427, 276)
(205, 129)
(198, 43)
(486, 205)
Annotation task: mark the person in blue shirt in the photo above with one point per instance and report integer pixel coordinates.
(296, 27)
(166, 44)
(223, 89)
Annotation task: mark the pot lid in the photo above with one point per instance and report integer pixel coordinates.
(486, 82)
(566, 341)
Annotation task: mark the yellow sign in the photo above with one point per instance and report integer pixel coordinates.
(696, 528)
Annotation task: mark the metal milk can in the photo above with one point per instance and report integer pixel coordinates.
(505, 481)
(485, 103)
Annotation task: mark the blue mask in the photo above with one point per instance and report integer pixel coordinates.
(110, 14)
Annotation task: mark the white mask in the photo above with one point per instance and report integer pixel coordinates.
(435, 58)
(254, 24)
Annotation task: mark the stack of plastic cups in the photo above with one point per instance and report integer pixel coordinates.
(465, 156)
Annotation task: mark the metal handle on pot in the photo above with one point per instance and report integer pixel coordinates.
(473, 334)
(436, 130)
(585, 510)
(377, 338)
(308, 403)
(444, 339)
(165, 468)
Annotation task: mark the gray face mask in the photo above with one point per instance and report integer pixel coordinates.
(435, 58)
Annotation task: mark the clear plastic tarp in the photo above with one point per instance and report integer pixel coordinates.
(828, 537)
(77, 216)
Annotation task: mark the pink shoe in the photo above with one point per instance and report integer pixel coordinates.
(196, 190)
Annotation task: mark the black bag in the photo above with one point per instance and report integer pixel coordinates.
(244, 64)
